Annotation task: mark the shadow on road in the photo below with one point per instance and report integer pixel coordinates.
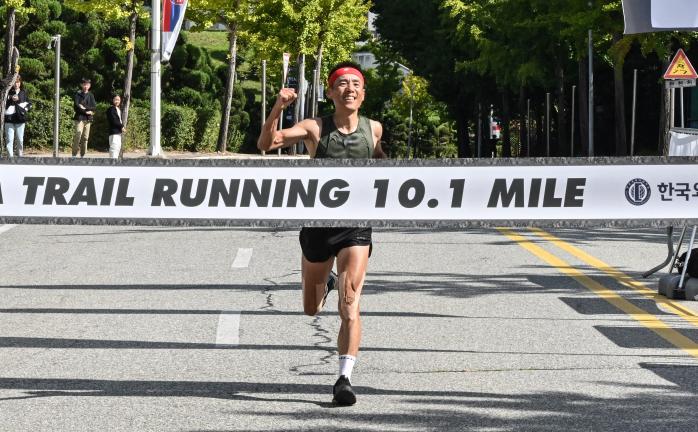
(640, 408)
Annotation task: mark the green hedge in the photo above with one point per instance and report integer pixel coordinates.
(183, 128)
(39, 129)
(177, 128)
(207, 127)
(137, 135)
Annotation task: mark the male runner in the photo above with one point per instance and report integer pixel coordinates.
(342, 135)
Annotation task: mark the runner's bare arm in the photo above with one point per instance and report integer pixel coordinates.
(377, 130)
(271, 138)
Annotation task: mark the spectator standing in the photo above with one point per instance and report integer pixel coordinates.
(16, 108)
(84, 106)
(116, 127)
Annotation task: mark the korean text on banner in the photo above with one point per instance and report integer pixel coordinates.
(172, 19)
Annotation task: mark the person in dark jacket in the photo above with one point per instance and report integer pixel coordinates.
(84, 105)
(16, 108)
(116, 127)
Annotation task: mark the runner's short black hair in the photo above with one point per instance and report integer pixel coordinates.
(343, 65)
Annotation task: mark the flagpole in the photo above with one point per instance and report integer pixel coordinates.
(155, 110)
(591, 94)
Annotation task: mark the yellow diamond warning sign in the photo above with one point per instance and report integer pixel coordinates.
(680, 68)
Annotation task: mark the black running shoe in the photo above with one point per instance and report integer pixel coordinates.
(343, 393)
(331, 283)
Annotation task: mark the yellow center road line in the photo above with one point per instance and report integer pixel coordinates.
(621, 277)
(648, 320)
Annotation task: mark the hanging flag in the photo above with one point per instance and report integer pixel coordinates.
(647, 16)
(172, 19)
(286, 60)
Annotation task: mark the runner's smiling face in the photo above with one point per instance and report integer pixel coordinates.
(347, 92)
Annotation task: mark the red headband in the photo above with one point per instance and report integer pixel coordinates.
(343, 71)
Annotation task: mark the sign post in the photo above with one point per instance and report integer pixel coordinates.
(680, 74)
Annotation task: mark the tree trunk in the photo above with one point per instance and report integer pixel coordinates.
(126, 103)
(540, 132)
(584, 105)
(6, 85)
(9, 43)
(523, 123)
(665, 117)
(562, 130)
(506, 128)
(462, 132)
(484, 122)
(229, 87)
(619, 84)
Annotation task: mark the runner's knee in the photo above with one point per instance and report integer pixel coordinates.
(349, 314)
(349, 300)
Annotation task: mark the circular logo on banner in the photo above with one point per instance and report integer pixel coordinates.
(638, 192)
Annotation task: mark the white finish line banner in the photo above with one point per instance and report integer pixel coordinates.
(372, 195)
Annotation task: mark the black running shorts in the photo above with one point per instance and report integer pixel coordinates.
(320, 244)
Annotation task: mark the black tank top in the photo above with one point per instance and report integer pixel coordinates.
(336, 145)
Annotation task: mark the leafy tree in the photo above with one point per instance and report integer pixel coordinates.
(12, 10)
(118, 10)
(432, 49)
(239, 18)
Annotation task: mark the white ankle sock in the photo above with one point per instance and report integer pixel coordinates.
(346, 365)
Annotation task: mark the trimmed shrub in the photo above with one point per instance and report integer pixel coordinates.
(99, 132)
(178, 125)
(32, 89)
(187, 97)
(197, 58)
(56, 27)
(137, 135)
(207, 125)
(39, 129)
(178, 59)
(37, 41)
(197, 80)
(31, 69)
(94, 58)
(113, 50)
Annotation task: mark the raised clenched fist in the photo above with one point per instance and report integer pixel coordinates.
(286, 97)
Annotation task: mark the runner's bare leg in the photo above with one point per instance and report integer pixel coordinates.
(351, 268)
(314, 278)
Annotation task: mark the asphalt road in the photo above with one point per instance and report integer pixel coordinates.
(169, 329)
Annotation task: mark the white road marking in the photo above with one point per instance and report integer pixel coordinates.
(228, 332)
(5, 228)
(242, 258)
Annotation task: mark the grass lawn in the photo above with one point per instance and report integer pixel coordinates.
(213, 41)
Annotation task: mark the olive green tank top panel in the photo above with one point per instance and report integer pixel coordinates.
(336, 145)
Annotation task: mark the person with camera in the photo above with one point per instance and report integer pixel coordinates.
(16, 108)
